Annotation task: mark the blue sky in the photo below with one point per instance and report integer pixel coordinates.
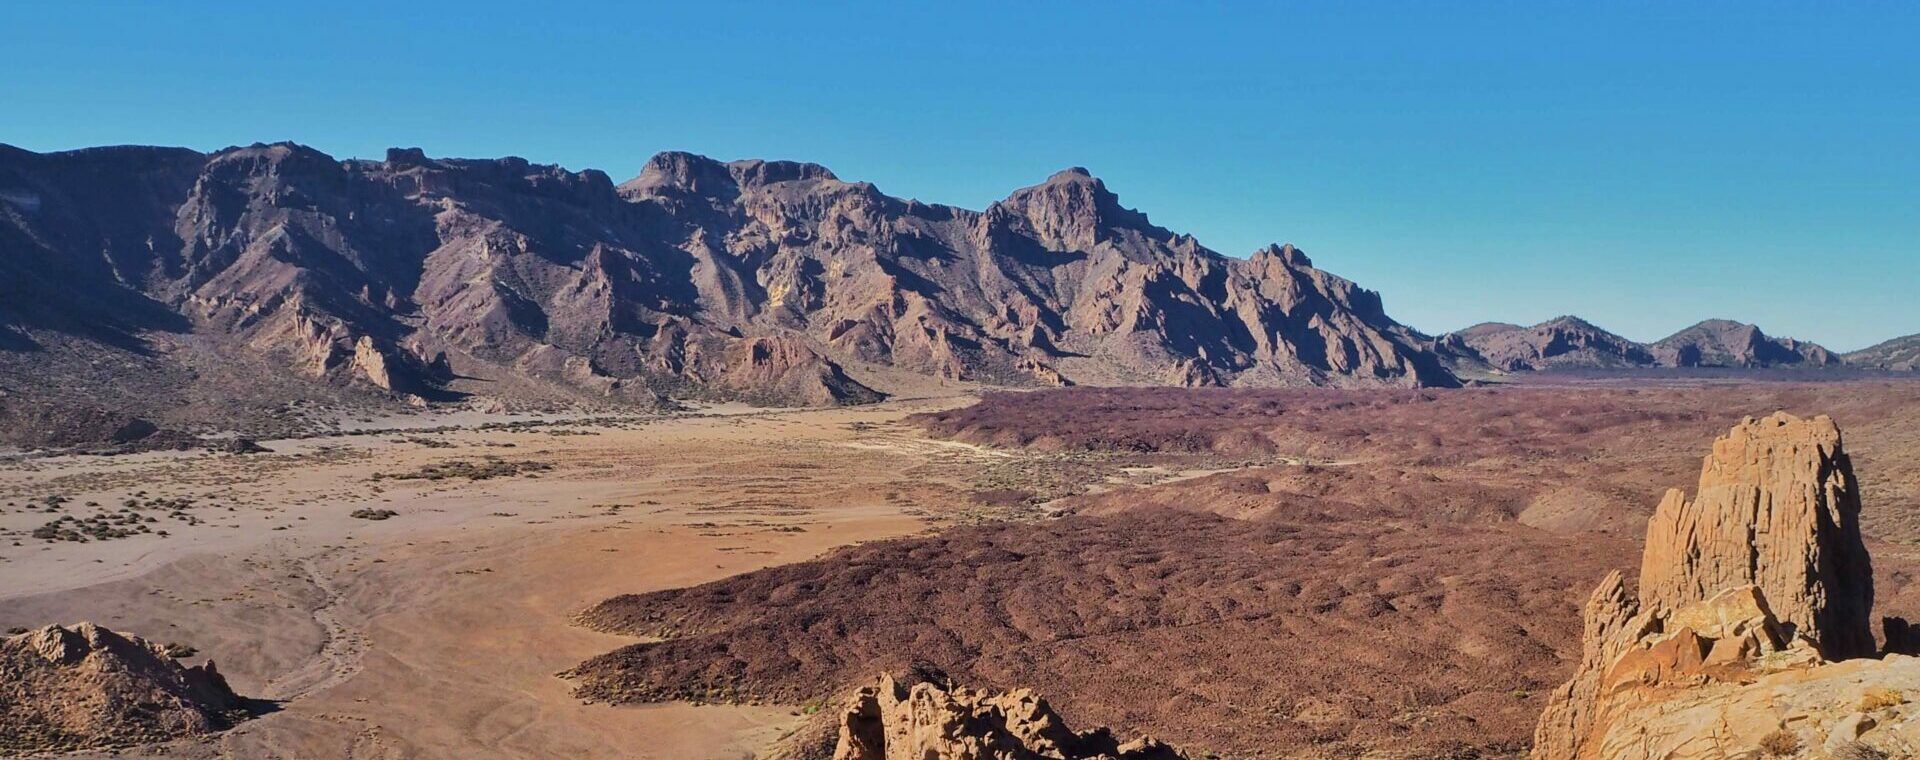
(1642, 164)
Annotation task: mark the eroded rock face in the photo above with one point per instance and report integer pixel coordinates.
(83, 686)
(1750, 631)
(784, 369)
(934, 721)
(1778, 507)
(356, 270)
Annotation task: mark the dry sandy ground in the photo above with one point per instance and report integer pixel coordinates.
(438, 632)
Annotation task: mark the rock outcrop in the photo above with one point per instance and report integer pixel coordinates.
(1750, 633)
(64, 688)
(412, 275)
(1778, 508)
(932, 720)
(782, 369)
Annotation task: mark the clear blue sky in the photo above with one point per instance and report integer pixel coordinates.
(1642, 164)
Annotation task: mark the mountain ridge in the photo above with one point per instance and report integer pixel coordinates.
(1569, 342)
(435, 278)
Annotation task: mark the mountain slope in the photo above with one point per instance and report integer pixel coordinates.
(772, 280)
(1560, 342)
(1725, 343)
(1899, 354)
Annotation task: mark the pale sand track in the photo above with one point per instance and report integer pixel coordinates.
(439, 632)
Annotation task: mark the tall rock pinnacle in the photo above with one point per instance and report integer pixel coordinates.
(1761, 578)
(1779, 508)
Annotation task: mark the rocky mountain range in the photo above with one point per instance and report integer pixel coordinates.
(1573, 343)
(135, 271)
(189, 286)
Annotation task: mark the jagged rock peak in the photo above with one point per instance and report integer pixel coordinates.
(1286, 253)
(1569, 321)
(1778, 507)
(1751, 596)
(683, 172)
(531, 271)
(1075, 210)
(1074, 174)
(72, 687)
(754, 172)
(934, 720)
(398, 158)
(699, 175)
(284, 150)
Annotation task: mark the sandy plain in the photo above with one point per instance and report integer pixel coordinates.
(440, 631)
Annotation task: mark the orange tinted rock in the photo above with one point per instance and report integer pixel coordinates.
(1748, 591)
(65, 688)
(931, 721)
(1778, 507)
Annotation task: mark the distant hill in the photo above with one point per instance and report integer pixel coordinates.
(1899, 354)
(1574, 343)
(1559, 342)
(1725, 343)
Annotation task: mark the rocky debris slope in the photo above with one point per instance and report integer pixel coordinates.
(1574, 343)
(1749, 634)
(64, 688)
(1899, 355)
(416, 276)
(926, 717)
(95, 431)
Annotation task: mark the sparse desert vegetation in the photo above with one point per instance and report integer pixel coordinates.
(1267, 567)
(482, 469)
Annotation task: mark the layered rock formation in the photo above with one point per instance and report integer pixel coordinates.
(925, 717)
(1573, 343)
(1777, 508)
(414, 275)
(1749, 634)
(64, 688)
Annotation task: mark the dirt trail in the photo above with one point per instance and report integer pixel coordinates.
(340, 651)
